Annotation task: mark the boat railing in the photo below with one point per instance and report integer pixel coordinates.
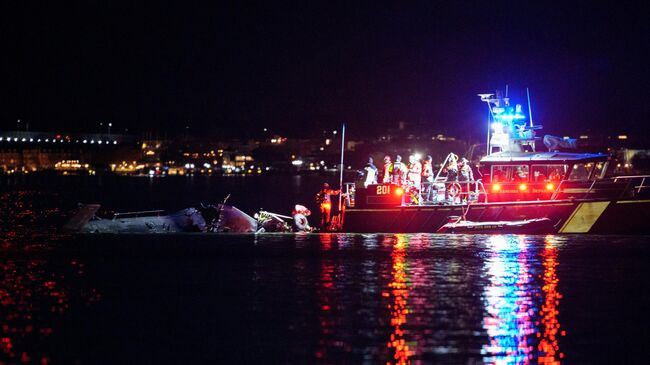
(636, 183)
(616, 187)
(349, 189)
(432, 193)
(450, 192)
(138, 214)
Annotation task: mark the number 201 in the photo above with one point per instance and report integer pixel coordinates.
(383, 189)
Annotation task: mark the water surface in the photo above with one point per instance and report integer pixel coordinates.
(318, 298)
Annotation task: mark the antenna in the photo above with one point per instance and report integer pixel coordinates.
(530, 110)
(341, 176)
(487, 98)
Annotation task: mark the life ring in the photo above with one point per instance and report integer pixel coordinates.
(300, 223)
(454, 190)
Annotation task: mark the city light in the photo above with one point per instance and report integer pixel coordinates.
(296, 162)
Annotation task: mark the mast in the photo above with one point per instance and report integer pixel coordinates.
(341, 175)
(530, 110)
(488, 130)
(487, 99)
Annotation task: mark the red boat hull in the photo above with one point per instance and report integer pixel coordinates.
(566, 216)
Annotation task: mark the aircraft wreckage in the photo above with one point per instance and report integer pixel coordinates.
(219, 218)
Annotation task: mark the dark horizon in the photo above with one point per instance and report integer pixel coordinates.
(299, 69)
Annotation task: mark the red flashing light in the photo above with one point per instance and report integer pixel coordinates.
(399, 191)
(550, 186)
(496, 187)
(523, 187)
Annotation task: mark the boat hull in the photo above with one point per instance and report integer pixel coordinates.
(566, 216)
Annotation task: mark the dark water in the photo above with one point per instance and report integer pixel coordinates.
(330, 298)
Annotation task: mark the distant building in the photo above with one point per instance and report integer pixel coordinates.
(36, 151)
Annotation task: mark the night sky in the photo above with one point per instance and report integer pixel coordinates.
(234, 67)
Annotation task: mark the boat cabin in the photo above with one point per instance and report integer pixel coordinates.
(519, 176)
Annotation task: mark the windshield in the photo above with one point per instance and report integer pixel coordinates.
(581, 171)
(510, 173)
(548, 173)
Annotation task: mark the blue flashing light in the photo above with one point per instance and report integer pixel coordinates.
(509, 117)
(497, 127)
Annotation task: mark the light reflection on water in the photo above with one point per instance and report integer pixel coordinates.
(399, 309)
(33, 297)
(35, 291)
(493, 299)
(393, 299)
(312, 298)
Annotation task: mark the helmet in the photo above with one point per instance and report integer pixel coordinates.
(398, 158)
(386, 158)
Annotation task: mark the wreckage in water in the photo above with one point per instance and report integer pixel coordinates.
(221, 218)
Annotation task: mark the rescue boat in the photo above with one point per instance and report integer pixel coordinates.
(518, 189)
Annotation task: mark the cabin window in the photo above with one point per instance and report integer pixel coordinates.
(548, 173)
(509, 173)
(581, 171)
(599, 170)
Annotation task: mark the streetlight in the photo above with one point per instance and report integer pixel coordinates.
(109, 128)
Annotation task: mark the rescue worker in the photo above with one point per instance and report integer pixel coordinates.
(452, 167)
(520, 174)
(414, 178)
(414, 172)
(466, 173)
(554, 176)
(452, 174)
(324, 200)
(398, 171)
(387, 170)
(371, 173)
(427, 176)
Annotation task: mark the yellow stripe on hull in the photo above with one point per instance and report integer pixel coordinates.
(584, 217)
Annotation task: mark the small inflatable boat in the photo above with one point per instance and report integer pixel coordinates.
(527, 226)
